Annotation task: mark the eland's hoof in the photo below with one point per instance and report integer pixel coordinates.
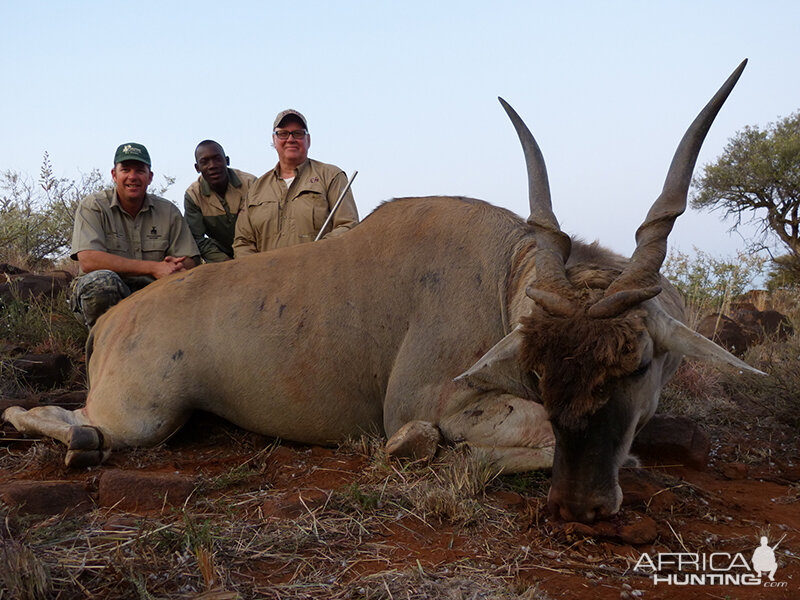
(415, 439)
(78, 459)
(84, 437)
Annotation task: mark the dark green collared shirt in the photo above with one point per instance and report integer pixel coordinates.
(211, 218)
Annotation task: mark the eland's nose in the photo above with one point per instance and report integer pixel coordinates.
(583, 510)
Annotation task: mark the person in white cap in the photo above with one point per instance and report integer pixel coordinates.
(289, 204)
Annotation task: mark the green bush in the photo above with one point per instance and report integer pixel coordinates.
(36, 217)
(709, 284)
(784, 273)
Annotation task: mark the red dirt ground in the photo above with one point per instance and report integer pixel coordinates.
(724, 509)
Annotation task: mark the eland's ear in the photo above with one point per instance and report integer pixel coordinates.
(498, 369)
(673, 335)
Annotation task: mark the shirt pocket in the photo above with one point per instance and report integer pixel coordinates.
(117, 244)
(264, 218)
(311, 212)
(154, 249)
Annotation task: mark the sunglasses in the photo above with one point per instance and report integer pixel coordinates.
(283, 134)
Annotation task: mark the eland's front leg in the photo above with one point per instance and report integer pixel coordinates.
(511, 432)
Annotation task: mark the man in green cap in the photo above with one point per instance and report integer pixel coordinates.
(125, 238)
(213, 202)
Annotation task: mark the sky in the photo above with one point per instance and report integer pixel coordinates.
(405, 93)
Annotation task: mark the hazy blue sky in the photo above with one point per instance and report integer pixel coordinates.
(404, 92)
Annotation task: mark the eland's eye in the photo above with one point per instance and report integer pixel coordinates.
(641, 370)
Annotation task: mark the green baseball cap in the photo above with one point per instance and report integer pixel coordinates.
(132, 151)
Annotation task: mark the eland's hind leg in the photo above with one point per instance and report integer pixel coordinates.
(86, 445)
(134, 414)
(110, 419)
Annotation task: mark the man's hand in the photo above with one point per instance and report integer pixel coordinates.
(170, 265)
(165, 267)
(187, 262)
(92, 260)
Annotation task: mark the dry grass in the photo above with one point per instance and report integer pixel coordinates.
(699, 307)
(12, 256)
(450, 490)
(751, 419)
(697, 391)
(42, 325)
(777, 394)
(221, 545)
(39, 326)
(727, 397)
(22, 574)
(786, 301)
(455, 583)
(395, 530)
(44, 454)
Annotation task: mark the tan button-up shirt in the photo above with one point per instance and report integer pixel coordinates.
(157, 231)
(211, 218)
(276, 215)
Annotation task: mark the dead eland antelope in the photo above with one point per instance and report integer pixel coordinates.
(437, 319)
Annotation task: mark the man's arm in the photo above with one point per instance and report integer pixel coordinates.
(244, 242)
(346, 216)
(194, 218)
(93, 260)
(181, 241)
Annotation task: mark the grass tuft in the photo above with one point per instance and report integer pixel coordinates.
(42, 325)
(775, 394)
(23, 574)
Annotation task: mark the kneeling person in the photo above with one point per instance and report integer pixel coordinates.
(213, 202)
(125, 238)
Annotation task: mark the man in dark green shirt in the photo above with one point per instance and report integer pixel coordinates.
(213, 202)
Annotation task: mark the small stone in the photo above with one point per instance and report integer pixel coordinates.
(668, 440)
(143, 491)
(415, 439)
(734, 470)
(642, 530)
(642, 488)
(294, 505)
(46, 497)
(509, 499)
(604, 529)
(42, 370)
